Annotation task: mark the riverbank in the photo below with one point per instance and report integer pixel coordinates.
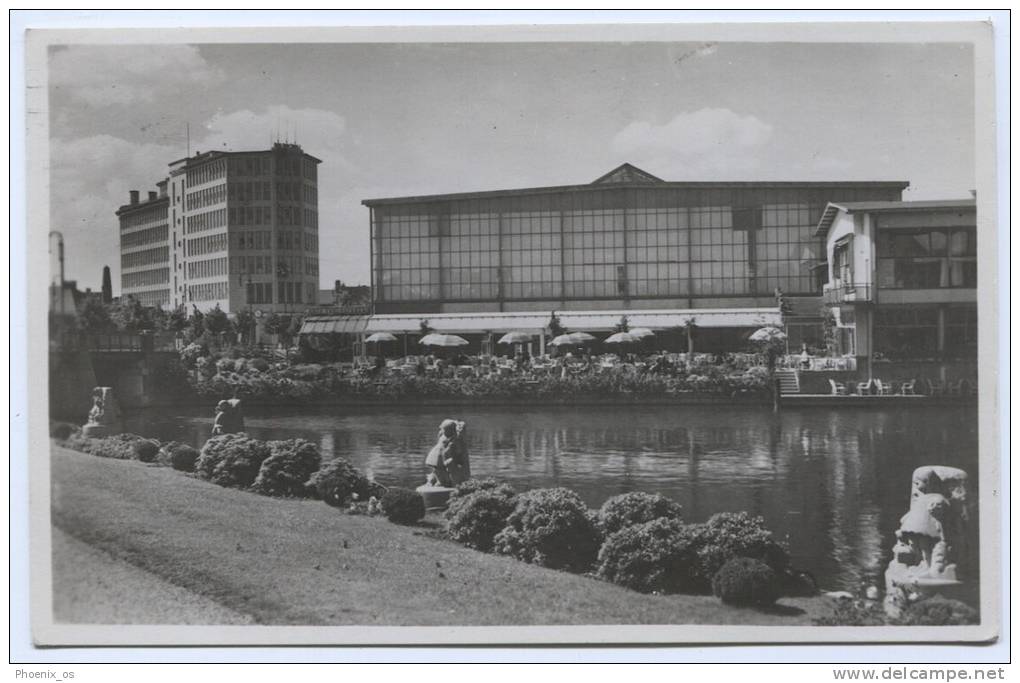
(280, 561)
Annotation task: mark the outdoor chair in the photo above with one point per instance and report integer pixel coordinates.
(907, 388)
(884, 388)
(936, 387)
(864, 388)
(955, 388)
(838, 388)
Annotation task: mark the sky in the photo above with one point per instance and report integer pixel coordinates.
(410, 119)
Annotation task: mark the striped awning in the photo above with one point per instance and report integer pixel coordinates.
(335, 324)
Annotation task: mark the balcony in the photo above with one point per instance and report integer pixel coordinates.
(837, 292)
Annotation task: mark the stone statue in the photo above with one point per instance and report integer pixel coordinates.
(931, 542)
(448, 460)
(104, 418)
(448, 464)
(229, 417)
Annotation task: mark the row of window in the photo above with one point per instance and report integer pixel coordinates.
(251, 215)
(136, 219)
(217, 194)
(147, 257)
(285, 239)
(147, 236)
(206, 245)
(208, 268)
(593, 280)
(286, 293)
(206, 173)
(145, 278)
(153, 297)
(927, 259)
(210, 220)
(249, 190)
(210, 291)
(285, 265)
(680, 218)
(913, 332)
(251, 165)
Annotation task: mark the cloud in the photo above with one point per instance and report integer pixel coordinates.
(107, 75)
(693, 133)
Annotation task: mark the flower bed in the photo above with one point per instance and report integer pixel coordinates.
(307, 383)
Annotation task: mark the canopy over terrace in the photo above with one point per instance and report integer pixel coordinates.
(474, 324)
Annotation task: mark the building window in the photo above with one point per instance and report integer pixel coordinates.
(907, 332)
(927, 259)
(961, 335)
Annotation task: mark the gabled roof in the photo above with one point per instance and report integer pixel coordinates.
(833, 208)
(627, 173)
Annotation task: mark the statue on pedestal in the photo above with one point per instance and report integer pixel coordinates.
(931, 541)
(104, 418)
(229, 417)
(448, 464)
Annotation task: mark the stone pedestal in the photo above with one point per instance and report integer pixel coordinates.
(435, 497)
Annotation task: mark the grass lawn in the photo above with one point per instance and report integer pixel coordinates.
(303, 562)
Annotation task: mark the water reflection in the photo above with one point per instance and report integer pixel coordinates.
(831, 483)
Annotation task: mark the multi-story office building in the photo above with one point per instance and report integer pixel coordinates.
(902, 286)
(227, 229)
(627, 243)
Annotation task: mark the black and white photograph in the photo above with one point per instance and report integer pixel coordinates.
(526, 335)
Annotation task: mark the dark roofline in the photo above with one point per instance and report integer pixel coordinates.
(128, 208)
(215, 154)
(833, 208)
(898, 184)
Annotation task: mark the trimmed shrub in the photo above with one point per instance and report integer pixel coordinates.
(231, 460)
(403, 506)
(550, 527)
(938, 611)
(735, 534)
(629, 509)
(146, 451)
(288, 468)
(183, 458)
(659, 556)
(854, 613)
(475, 519)
(260, 364)
(118, 447)
(225, 365)
(62, 431)
(338, 482)
(745, 581)
(466, 488)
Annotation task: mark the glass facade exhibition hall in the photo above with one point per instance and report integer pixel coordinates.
(626, 241)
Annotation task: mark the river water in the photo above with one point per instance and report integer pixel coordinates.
(832, 483)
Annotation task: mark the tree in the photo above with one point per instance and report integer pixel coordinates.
(196, 322)
(556, 328)
(279, 325)
(94, 317)
(107, 286)
(691, 327)
(130, 316)
(217, 322)
(244, 321)
(177, 320)
(159, 318)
